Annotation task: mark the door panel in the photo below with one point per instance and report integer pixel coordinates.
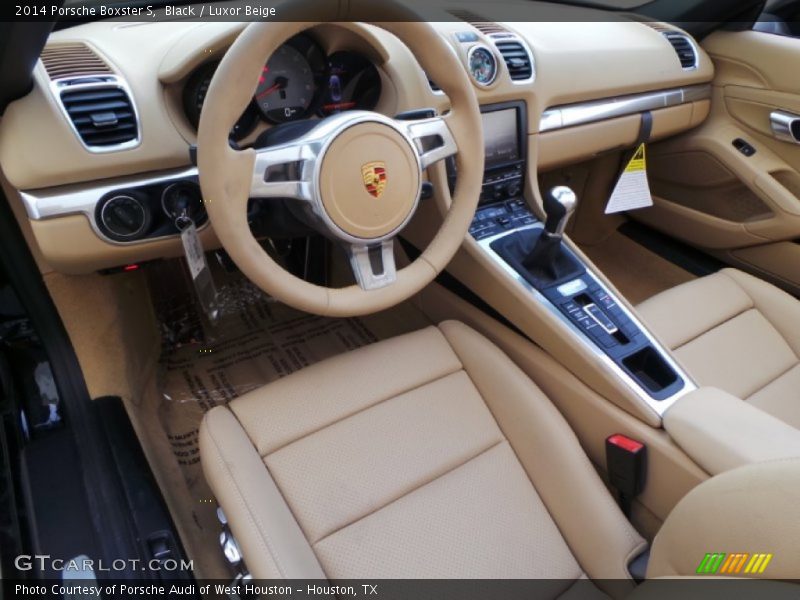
(743, 208)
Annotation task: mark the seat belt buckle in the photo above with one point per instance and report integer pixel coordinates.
(626, 460)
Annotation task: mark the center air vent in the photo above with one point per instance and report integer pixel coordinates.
(517, 59)
(103, 116)
(684, 48)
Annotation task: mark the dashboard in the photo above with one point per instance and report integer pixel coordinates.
(298, 82)
(92, 203)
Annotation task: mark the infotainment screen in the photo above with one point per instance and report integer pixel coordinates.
(501, 137)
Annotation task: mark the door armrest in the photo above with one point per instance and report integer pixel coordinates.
(721, 432)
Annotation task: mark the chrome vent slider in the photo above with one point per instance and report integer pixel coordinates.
(517, 59)
(102, 114)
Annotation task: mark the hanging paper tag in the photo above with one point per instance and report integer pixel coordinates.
(198, 268)
(632, 190)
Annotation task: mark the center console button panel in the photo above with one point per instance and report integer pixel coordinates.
(500, 217)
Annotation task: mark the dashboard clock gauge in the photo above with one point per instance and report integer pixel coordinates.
(482, 65)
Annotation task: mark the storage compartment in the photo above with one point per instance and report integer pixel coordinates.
(650, 370)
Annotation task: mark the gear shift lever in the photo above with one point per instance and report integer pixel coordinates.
(559, 204)
(545, 258)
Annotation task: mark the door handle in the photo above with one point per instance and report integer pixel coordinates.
(785, 126)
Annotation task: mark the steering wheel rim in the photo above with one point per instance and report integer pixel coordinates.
(228, 176)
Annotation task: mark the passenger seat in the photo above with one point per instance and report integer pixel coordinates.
(737, 333)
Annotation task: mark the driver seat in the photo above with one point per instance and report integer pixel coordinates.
(430, 455)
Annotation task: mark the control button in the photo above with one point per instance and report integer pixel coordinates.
(744, 147)
(584, 321)
(601, 318)
(576, 286)
(125, 217)
(513, 189)
(607, 301)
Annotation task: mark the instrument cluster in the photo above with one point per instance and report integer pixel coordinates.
(299, 81)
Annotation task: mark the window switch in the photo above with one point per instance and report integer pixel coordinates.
(744, 147)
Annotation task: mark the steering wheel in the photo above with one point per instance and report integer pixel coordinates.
(357, 175)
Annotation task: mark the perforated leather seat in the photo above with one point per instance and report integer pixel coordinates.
(737, 333)
(426, 456)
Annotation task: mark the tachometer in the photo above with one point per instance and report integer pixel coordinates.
(286, 88)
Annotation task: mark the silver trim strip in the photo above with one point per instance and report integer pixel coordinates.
(571, 115)
(658, 406)
(109, 81)
(74, 199)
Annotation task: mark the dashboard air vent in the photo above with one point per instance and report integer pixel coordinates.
(72, 60)
(517, 60)
(102, 116)
(684, 48)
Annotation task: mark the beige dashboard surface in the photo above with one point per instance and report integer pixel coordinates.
(574, 62)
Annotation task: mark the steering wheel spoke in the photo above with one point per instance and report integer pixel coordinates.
(433, 139)
(373, 265)
(285, 171)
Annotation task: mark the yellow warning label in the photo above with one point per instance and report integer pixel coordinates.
(638, 162)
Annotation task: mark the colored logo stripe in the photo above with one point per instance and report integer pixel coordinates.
(733, 564)
(758, 563)
(710, 563)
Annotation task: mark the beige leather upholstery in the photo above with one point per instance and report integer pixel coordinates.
(720, 432)
(735, 332)
(425, 456)
(726, 514)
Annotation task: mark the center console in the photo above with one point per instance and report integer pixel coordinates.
(535, 255)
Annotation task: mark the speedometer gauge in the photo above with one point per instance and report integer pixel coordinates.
(482, 65)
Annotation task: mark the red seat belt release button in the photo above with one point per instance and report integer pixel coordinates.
(626, 460)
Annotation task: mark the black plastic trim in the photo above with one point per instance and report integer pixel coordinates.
(106, 501)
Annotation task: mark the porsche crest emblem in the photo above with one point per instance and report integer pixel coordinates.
(375, 178)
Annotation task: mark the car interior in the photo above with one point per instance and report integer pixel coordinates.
(344, 294)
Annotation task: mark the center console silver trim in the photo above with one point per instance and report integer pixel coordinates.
(657, 406)
(570, 115)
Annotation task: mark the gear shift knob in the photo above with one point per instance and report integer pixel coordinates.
(559, 204)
